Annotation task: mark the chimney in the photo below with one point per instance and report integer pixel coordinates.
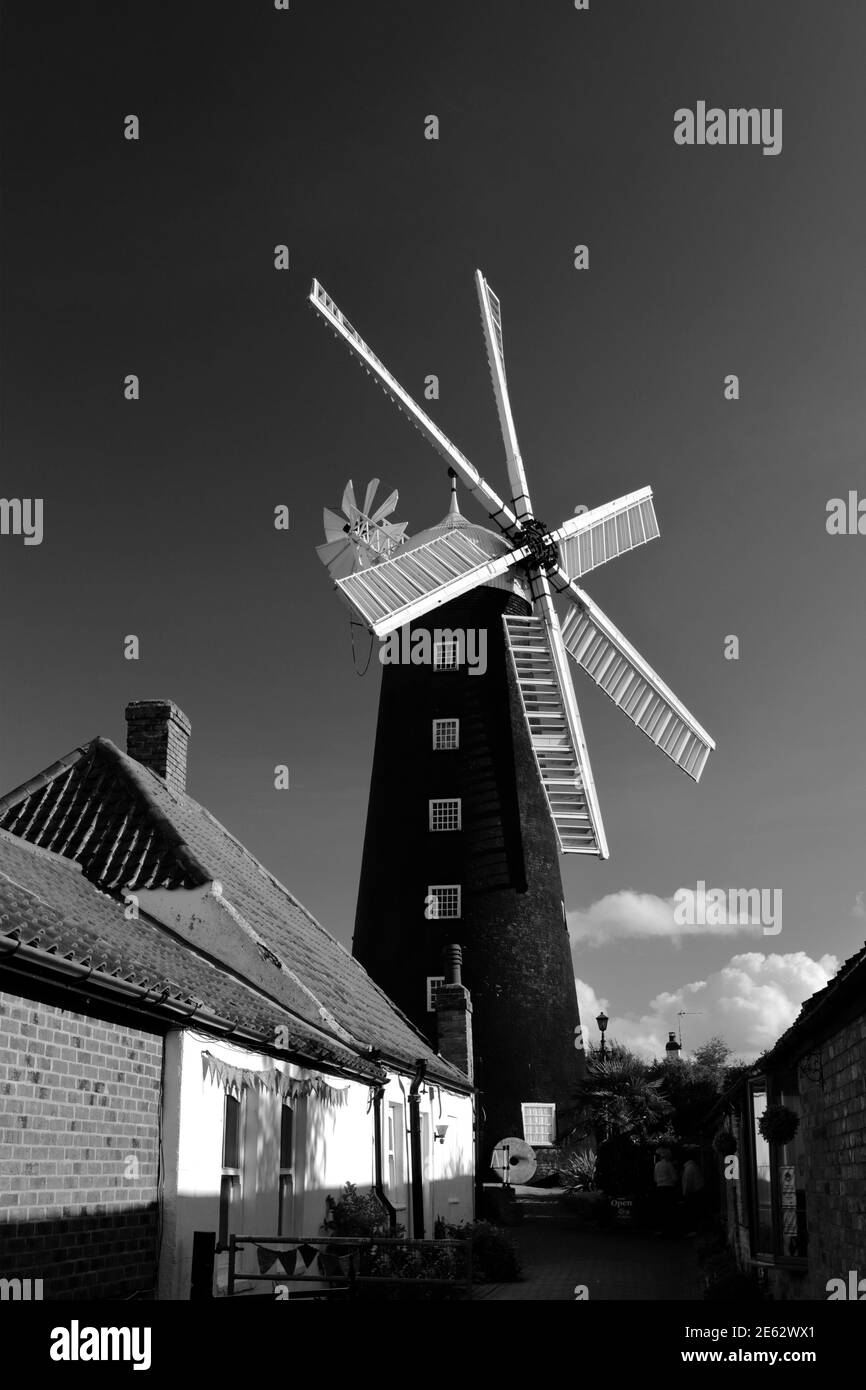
(157, 735)
(454, 1014)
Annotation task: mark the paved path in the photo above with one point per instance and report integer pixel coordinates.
(617, 1264)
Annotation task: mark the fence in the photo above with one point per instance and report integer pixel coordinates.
(340, 1267)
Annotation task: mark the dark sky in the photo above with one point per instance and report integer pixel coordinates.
(307, 128)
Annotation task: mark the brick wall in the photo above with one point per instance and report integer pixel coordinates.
(79, 1114)
(834, 1133)
(832, 1089)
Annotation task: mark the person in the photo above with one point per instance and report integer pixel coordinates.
(665, 1178)
(693, 1192)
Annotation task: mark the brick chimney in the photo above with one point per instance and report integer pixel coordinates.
(454, 1014)
(157, 735)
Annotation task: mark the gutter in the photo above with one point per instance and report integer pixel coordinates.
(152, 1001)
(415, 1150)
(448, 1075)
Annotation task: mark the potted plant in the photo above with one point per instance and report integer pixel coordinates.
(724, 1143)
(778, 1124)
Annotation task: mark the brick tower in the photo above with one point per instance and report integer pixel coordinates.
(460, 848)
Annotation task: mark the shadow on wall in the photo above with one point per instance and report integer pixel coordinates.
(100, 1256)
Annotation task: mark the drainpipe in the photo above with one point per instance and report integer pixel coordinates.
(379, 1186)
(415, 1150)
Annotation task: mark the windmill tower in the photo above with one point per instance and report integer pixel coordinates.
(482, 778)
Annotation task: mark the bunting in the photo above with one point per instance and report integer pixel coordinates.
(302, 1257)
(273, 1081)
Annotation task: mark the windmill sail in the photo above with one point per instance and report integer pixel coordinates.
(562, 764)
(403, 589)
(491, 319)
(635, 688)
(606, 532)
(496, 508)
(389, 588)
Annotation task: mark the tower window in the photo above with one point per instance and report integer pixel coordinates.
(433, 983)
(539, 1123)
(445, 814)
(446, 734)
(443, 900)
(446, 655)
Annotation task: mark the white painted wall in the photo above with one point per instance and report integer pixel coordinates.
(333, 1146)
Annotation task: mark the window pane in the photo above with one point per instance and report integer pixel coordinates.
(229, 1194)
(444, 900)
(446, 734)
(792, 1189)
(395, 1157)
(539, 1123)
(763, 1201)
(286, 1137)
(433, 982)
(232, 1134)
(445, 814)
(284, 1225)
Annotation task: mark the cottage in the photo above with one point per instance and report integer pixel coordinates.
(795, 1206)
(183, 1048)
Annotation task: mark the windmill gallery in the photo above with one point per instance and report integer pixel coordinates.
(478, 786)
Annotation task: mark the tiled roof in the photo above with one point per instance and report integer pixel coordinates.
(47, 904)
(126, 829)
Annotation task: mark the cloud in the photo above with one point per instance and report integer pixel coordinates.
(589, 1006)
(859, 909)
(749, 1002)
(628, 915)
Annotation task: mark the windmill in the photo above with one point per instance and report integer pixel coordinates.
(389, 589)
(506, 766)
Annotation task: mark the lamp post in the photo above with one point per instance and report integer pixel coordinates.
(602, 1022)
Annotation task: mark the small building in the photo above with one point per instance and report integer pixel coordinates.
(795, 1212)
(184, 1048)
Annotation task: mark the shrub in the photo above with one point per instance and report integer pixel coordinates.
(494, 1255)
(355, 1214)
(579, 1171)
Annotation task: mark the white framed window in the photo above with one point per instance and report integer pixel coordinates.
(395, 1146)
(445, 813)
(446, 735)
(443, 900)
(539, 1123)
(232, 1159)
(286, 1171)
(446, 655)
(433, 983)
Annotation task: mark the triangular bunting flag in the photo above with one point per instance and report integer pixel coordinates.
(307, 1253)
(266, 1258)
(289, 1261)
(335, 1266)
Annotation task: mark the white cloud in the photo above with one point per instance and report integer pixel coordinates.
(749, 1002)
(589, 1007)
(626, 915)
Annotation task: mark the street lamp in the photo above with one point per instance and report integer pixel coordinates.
(602, 1022)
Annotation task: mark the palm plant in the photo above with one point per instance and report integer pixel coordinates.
(617, 1097)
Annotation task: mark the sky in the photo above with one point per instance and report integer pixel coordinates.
(305, 127)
